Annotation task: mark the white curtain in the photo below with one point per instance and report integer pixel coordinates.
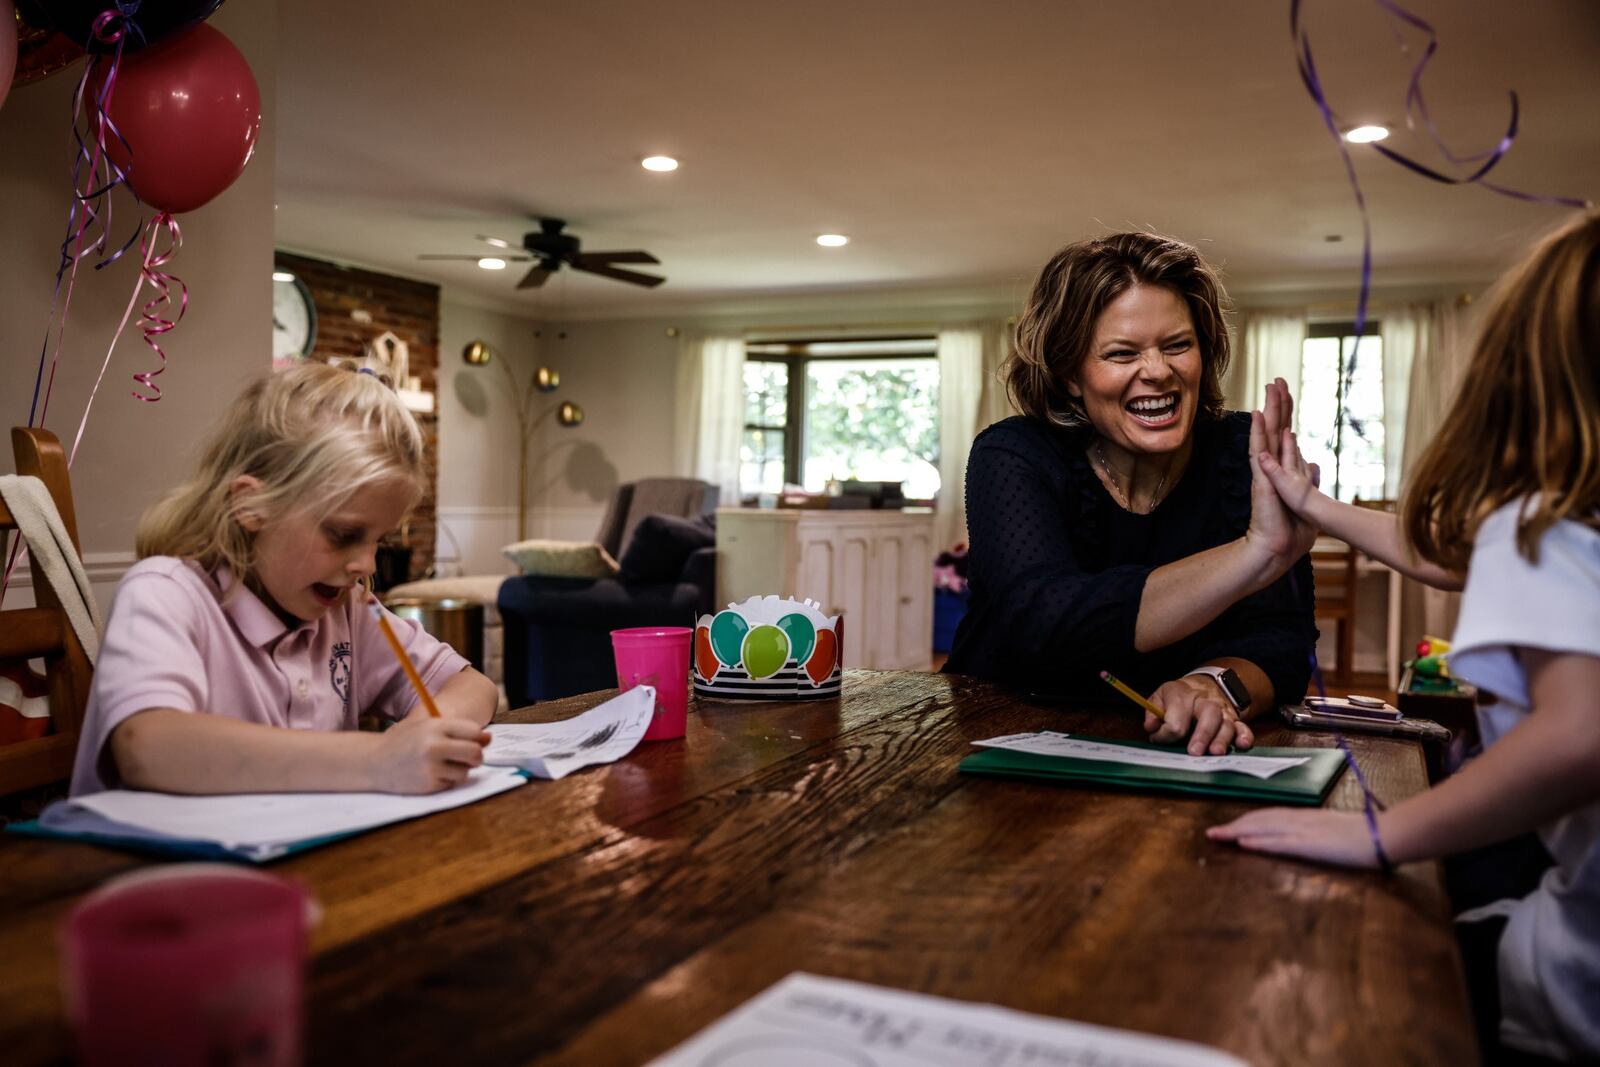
(961, 352)
(1270, 347)
(995, 404)
(1430, 344)
(710, 412)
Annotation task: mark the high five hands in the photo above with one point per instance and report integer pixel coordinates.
(1282, 481)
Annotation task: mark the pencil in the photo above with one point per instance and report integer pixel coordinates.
(1131, 695)
(405, 660)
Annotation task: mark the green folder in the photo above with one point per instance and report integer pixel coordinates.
(1306, 784)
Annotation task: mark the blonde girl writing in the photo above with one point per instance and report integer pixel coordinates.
(240, 649)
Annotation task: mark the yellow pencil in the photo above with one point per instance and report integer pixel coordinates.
(405, 660)
(1131, 695)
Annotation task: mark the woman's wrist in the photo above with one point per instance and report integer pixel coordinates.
(1264, 565)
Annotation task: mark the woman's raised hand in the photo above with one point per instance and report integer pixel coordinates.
(1295, 480)
(1274, 526)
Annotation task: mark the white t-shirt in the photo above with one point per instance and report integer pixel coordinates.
(1550, 953)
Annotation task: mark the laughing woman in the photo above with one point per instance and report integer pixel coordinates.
(1118, 523)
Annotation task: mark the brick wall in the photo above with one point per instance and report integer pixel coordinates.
(353, 307)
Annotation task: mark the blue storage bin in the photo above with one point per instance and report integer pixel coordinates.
(948, 610)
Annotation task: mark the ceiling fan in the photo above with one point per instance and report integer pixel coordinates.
(549, 247)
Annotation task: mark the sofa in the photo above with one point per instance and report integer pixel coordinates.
(556, 632)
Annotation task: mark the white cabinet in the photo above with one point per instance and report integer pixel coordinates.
(873, 568)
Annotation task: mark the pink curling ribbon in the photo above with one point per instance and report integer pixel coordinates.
(1416, 105)
(150, 321)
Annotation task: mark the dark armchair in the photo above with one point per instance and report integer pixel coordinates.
(558, 630)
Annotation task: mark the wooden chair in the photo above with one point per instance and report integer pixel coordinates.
(1333, 566)
(44, 632)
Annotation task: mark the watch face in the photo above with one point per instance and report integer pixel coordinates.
(1236, 688)
(294, 317)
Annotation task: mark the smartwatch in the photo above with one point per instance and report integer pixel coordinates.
(1229, 682)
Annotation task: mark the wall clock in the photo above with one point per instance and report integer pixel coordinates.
(294, 317)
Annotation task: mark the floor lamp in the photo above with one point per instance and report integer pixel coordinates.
(543, 380)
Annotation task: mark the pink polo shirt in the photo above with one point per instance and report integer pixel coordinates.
(173, 642)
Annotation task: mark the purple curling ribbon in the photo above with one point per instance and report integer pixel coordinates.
(93, 176)
(1416, 105)
(1370, 804)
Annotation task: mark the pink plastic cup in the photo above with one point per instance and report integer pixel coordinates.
(658, 656)
(194, 964)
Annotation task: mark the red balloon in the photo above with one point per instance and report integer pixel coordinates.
(189, 109)
(8, 47)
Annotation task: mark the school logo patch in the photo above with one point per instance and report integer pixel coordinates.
(339, 672)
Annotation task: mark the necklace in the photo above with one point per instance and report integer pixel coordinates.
(1111, 477)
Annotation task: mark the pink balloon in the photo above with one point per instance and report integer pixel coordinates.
(8, 47)
(190, 110)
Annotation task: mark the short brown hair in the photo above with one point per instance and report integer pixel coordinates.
(1526, 421)
(1055, 331)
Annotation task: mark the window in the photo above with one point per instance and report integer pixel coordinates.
(816, 411)
(1340, 408)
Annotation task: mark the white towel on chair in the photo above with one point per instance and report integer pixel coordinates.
(46, 536)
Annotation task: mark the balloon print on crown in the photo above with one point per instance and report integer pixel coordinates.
(768, 648)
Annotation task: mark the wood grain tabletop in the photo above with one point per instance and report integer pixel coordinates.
(606, 917)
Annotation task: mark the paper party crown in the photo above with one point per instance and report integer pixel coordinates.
(768, 649)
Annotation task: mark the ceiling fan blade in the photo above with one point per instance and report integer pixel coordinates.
(635, 256)
(474, 259)
(535, 277)
(631, 276)
(497, 242)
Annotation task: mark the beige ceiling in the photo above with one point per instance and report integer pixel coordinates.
(958, 143)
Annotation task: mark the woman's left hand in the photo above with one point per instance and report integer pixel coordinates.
(1194, 708)
(1338, 837)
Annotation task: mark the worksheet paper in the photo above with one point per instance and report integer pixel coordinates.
(1053, 743)
(807, 1021)
(603, 734)
(260, 825)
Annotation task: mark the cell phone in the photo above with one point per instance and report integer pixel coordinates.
(1356, 706)
(1308, 718)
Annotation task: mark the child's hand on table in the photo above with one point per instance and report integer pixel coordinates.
(1339, 837)
(422, 754)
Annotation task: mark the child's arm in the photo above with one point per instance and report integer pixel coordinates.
(195, 752)
(1377, 533)
(469, 695)
(1543, 767)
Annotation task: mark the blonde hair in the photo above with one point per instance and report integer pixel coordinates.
(310, 436)
(1057, 328)
(1526, 421)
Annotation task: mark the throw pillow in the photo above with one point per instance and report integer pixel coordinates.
(660, 545)
(561, 559)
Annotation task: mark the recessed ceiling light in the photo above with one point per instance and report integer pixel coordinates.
(282, 276)
(659, 163)
(492, 263)
(832, 240)
(1366, 134)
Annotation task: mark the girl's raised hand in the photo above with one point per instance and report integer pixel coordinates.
(1338, 837)
(422, 754)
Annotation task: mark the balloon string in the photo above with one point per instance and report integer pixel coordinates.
(127, 313)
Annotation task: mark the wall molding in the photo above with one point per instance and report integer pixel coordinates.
(103, 568)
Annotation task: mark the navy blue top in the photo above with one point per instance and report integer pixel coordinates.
(1057, 567)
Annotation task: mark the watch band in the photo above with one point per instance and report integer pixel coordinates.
(1229, 682)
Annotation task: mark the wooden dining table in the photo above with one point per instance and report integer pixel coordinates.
(605, 918)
